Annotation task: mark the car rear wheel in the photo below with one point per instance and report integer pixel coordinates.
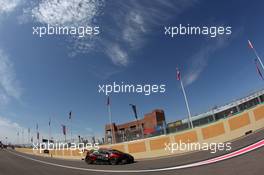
(88, 160)
(113, 161)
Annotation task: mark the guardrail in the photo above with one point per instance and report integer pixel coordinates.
(224, 130)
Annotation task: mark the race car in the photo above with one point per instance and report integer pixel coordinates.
(108, 156)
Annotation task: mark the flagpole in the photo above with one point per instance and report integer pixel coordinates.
(258, 58)
(187, 105)
(71, 129)
(23, 138)
(70, 117)
(134, 108)
(110, 118)
(190, 124)
(65, 136)
(18, 137)
(256, 54)
(28, 135)
(37, 133)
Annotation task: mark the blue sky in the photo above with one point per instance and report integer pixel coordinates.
(47, 77)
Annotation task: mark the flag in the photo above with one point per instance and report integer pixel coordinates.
(37, 127)
(134, 108)
(31, 139)
(250, 45)
(49, 121)
(258, 70)
(70, 114)
(38, 135)
(63, 129)
(178, 74)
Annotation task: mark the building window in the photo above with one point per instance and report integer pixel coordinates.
(108, 132)
(133, 127)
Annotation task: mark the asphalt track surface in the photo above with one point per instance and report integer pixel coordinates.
(250, 163)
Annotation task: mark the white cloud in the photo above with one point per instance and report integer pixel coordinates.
(133, 22)
(117, 55)
(199, 60)
(78, 13)
(9, 86)
(9, 129)
(134, 27)
(126, 26)
(65, 12)
(7, 6)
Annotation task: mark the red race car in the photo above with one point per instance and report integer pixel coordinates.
(108, 156)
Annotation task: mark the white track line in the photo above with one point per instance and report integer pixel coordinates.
(205, 162)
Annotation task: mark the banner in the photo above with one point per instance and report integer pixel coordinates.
(63, 129)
